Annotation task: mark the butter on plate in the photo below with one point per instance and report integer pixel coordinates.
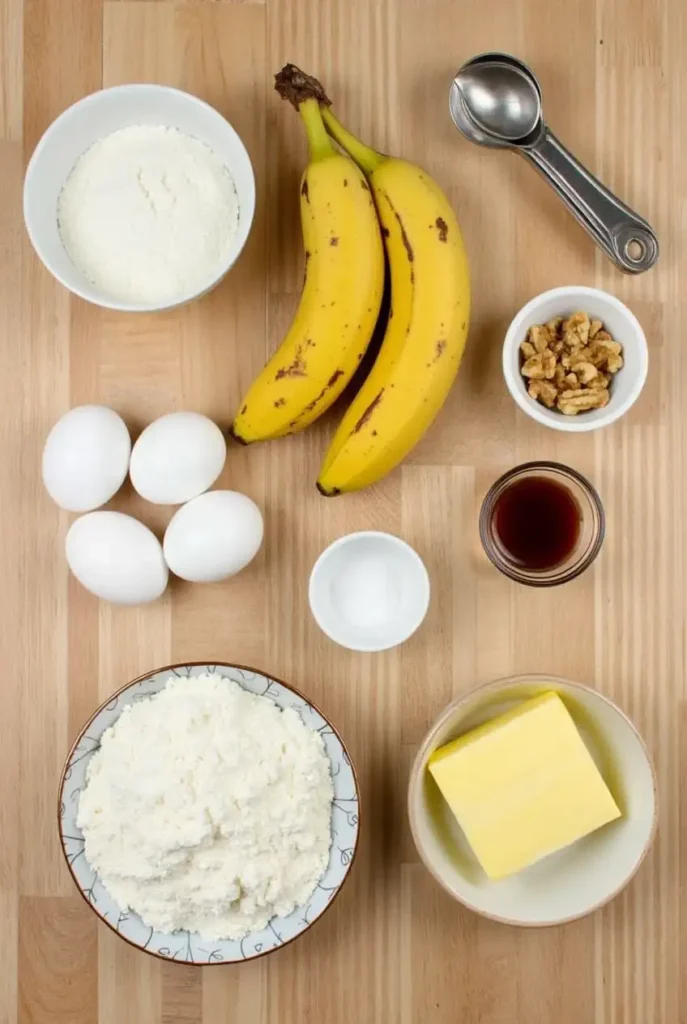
(523, 785)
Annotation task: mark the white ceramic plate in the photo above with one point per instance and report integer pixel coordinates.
(568, 884)
(186, 946)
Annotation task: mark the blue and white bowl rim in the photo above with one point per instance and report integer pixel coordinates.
(184, 946)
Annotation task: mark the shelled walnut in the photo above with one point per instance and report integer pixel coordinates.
(569, 363)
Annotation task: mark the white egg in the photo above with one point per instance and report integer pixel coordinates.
(86, 457)
(116, 558)
(214, 536)
(177, 457)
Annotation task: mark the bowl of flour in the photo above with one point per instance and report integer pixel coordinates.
(139, 198)
(208, 813)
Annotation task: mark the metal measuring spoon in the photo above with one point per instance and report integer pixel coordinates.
(499, 98)
(495, 100)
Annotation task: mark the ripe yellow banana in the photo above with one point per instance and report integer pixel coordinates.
(344, 280)
(427, 328)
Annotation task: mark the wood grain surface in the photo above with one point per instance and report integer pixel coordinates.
(394, 948)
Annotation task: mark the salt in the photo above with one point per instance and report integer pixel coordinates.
(367, 592)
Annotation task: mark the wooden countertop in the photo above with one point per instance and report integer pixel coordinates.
(394, 948)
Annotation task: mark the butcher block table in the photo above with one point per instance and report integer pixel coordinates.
(394, 947)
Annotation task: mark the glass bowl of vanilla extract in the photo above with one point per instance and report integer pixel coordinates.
(542, 524)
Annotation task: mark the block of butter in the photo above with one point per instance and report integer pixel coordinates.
(523, 785)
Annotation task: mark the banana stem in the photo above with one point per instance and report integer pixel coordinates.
(319, 142)
(367, 158)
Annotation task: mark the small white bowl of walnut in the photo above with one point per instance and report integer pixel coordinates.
(575, 359)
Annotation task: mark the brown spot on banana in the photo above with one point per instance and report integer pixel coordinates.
(442, 228)
(439, 350)
(296, 369)
(368, 412)
(345, 182)
(406, 241)
(304, 190)
(315, 402)
(404, 237)
(333, 240)
(279, 402)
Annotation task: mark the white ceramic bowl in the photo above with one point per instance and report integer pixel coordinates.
(621, 324)
(568, 884)
(90, 119)
(186, 946)
(369, 591)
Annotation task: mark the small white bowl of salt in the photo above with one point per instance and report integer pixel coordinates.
(369, 591)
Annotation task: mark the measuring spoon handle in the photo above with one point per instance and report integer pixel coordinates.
(625, 236)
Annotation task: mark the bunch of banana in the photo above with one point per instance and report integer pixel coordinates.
(427, 327)
(428, 319)
(344, 281)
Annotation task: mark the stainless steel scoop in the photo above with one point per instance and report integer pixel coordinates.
(495, 100)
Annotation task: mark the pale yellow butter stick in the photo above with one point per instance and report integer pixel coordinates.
(523, 785)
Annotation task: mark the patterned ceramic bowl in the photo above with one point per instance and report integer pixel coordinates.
(185, 946)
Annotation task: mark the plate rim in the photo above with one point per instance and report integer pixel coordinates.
(171, 669)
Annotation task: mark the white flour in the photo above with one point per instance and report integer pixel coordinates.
(208, 808)
(148, 214)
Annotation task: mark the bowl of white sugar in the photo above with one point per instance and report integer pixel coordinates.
(139, 198)
(208, 814)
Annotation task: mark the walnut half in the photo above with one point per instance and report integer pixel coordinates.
(569, 363)
(543, 390)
